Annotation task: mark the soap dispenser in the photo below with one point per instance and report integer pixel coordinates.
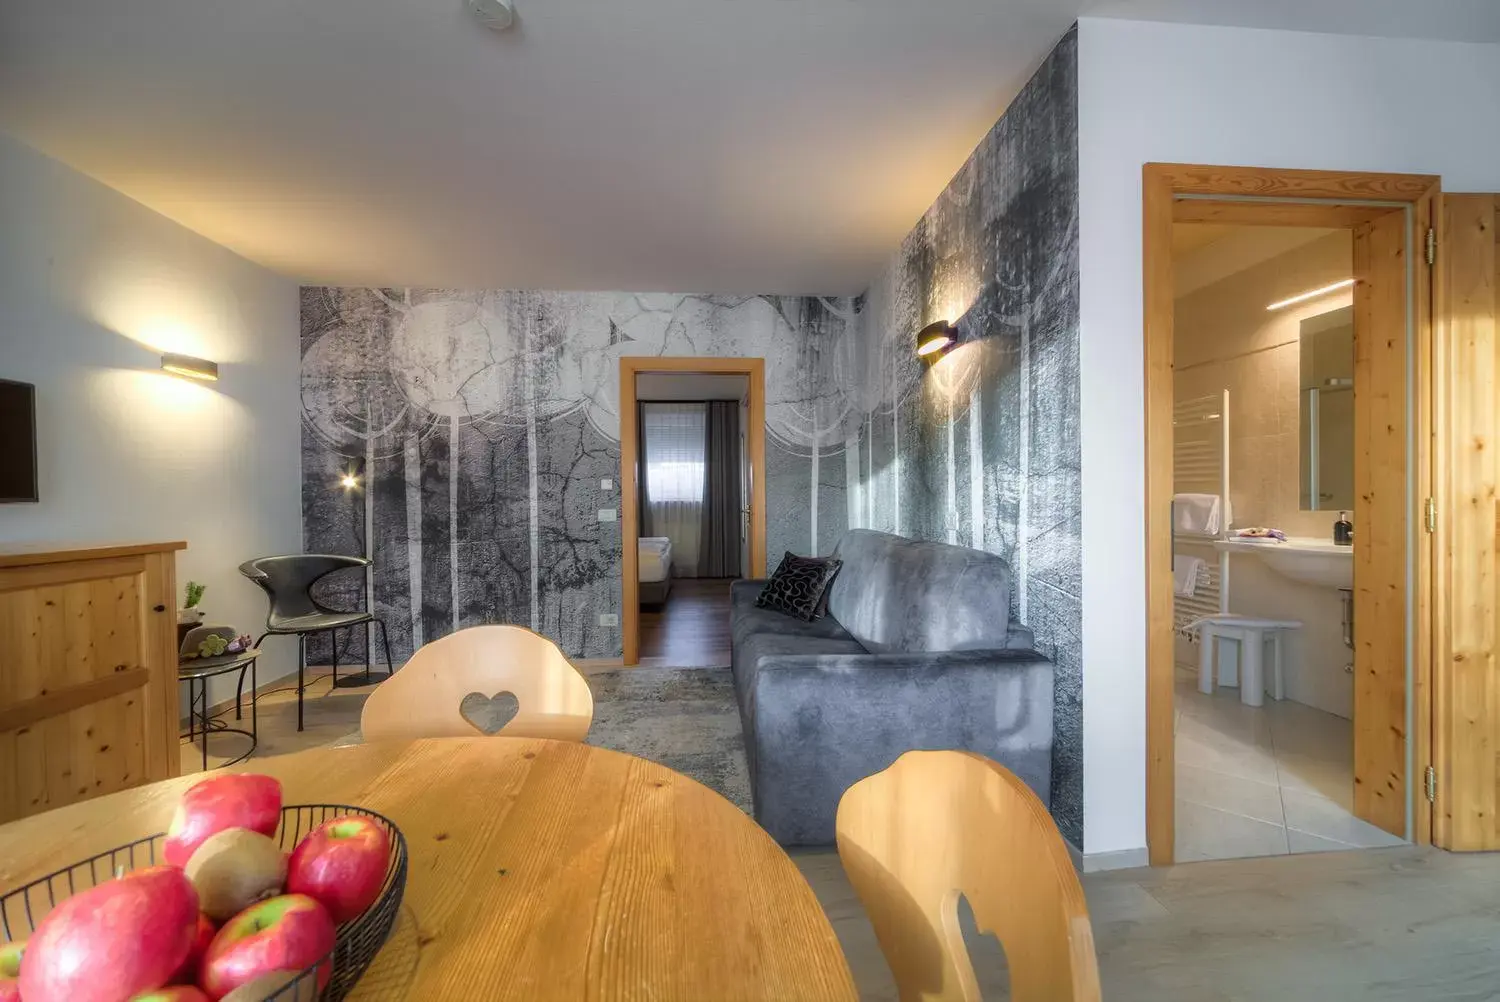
(1343, 530)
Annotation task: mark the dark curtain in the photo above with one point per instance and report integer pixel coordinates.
(642, 493)
(719, 549)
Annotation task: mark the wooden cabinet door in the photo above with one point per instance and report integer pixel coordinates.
(80, 706)
(1466, 704)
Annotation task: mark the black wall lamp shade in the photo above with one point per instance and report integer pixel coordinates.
(936, 338)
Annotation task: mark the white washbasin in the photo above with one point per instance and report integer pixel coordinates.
(1301, 558)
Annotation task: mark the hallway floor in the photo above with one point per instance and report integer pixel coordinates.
(691, 629)
(1267, 781)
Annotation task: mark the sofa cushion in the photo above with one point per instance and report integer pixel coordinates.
(746, 619)
(897, 594)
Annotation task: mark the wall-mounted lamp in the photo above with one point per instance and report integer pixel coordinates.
(935, 339)
(192, 368)
(353, 473)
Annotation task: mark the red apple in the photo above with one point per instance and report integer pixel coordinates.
(289, 933)
(203, 935)
(341, 863)
(174, 993)
(114, 941)
(234, 800)
(10, 971)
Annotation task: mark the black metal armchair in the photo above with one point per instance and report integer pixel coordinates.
(288, 582)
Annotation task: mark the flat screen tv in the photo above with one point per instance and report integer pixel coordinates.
(17, 441)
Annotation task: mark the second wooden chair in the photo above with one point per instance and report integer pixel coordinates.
(940, 824)
(423, 699)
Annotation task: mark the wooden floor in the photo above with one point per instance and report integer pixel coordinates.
(692, 628)
(1405, 924)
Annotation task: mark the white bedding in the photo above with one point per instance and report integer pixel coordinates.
(656, 558)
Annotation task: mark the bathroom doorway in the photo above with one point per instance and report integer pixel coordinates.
(692, 474)
(1262, 555)
(1360, 239)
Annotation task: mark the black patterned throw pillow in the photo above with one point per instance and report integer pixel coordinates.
(799, 586)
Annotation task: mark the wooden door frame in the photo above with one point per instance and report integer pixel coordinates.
(754, 369)
(1292, 198)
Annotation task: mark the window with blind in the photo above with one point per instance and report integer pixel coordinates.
(675, 436)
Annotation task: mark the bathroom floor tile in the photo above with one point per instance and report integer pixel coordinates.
(1234, 794)
(1326, 819)
(1301, 841)
(1231, 758)
(1263, 781)
(1206, 833)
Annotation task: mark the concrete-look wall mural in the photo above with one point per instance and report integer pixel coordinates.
(487, 422)
(982, 448)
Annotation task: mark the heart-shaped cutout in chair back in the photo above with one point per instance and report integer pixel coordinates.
(489, 714)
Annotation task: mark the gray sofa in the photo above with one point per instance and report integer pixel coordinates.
(917, 651)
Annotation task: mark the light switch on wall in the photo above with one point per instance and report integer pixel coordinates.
(606, 514)
(606, 484)
(609, 619)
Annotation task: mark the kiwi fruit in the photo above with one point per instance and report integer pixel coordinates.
(267, 985)
(234, 869)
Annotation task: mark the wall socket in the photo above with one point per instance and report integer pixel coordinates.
(609, 619)
(606, 484)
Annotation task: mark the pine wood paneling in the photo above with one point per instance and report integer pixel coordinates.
(1240, 213)
(1380, 521)
(88, 690)
(1467, 716)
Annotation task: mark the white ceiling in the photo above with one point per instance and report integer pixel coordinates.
(689, 145)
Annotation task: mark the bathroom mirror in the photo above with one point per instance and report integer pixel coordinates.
(1327, 405)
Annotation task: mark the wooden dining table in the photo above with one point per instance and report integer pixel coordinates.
(538, 870)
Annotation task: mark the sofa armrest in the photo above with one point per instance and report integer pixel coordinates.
(749, 587)
(1019, 638)
(824, 722)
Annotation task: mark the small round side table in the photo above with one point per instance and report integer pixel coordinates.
(196, 672)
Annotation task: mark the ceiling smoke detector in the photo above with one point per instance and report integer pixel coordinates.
(497, 15)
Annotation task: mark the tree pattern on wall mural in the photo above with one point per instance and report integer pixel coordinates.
(982, 449)
(486, 422)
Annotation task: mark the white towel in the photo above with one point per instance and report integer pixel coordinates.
(1185, 571)
(1199, 514)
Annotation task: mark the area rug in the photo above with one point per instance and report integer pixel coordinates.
(684, 718)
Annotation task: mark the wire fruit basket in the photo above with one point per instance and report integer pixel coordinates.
(358, 940)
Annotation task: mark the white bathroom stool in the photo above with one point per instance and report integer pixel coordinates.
(1250, 634)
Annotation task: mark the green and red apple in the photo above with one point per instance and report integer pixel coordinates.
(287, 933)
(233, 800)
(10, 971)
(342, 863)
(113, 941)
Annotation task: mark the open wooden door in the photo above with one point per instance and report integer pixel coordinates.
(1466, 710)
(1381, 527)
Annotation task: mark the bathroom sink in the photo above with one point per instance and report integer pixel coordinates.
(1310, 561)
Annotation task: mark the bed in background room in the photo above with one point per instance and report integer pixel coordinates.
(655, 569)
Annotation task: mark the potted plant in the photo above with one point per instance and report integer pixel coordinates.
(190, 614)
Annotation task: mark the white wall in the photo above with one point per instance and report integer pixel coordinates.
(93, 287)
(1162, 92)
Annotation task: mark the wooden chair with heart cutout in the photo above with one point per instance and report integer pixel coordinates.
(487, 680)
(936, 825)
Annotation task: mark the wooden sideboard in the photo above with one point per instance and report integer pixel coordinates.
(88, 673)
